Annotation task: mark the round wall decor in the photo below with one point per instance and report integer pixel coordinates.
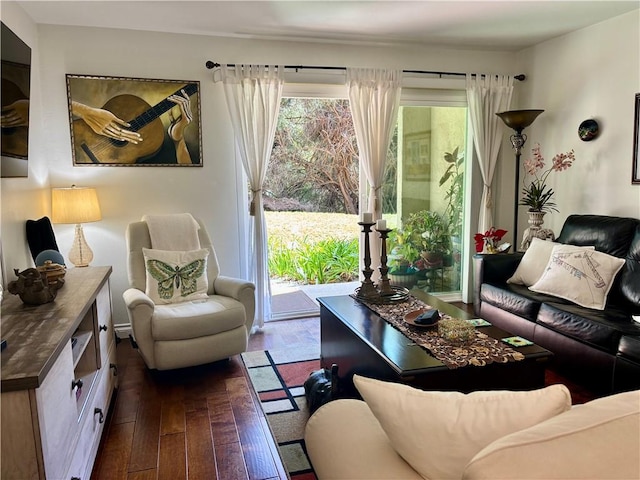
(588, 130)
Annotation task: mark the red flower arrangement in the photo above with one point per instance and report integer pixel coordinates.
(490, 238)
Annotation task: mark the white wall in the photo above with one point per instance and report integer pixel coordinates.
(24, 198)
(126, 193)
(590, 73)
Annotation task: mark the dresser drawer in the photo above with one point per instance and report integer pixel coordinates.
(92, 424)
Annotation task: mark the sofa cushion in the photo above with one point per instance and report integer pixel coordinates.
(533, 261)
(438, 433)
(581, 276)
(199, 318)
(628, 287)
(600, 329)
(600, 439)
(175, 276)
(610, 235)
(345, 441)
(629, 347)
(513, 298)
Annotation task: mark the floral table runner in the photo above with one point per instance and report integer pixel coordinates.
(481, 351)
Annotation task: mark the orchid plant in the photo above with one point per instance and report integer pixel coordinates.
(537, 195)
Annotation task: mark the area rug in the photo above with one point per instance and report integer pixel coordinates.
(278, 378)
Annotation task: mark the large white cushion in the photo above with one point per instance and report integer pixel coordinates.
(597, 440)
(175, 276)
(438, 433)
(534, 261)
(580, 276)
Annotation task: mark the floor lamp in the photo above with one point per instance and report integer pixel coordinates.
(518, 120)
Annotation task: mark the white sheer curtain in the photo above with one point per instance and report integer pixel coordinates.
(253, 95)
(486, 96)
(374, 97)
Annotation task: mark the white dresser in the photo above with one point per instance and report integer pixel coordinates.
(58, 375)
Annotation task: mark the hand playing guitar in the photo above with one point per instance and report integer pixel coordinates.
(176, 129)
(16, 114)
(103, 122)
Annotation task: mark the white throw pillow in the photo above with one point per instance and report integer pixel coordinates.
(438, 433)
(174, 276)
(583, 277)
(534, 261)
(600, 439)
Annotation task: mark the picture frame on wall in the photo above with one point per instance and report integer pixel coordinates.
(15, 70)
(121, 121)
(635, 175)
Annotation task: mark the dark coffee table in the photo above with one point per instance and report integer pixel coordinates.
(359, 341)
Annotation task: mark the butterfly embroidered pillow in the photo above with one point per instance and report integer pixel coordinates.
(174, 277)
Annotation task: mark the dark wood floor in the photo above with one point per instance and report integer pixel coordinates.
(198, 423)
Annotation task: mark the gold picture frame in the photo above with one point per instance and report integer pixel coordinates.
(121, 121)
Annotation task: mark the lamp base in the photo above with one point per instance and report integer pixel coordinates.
(80, 254)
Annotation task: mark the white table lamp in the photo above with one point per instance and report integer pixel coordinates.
(76, 205)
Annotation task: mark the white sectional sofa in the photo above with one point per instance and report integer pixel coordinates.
(398, 432)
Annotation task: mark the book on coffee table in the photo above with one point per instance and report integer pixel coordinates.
(517, 341)
(479, 322)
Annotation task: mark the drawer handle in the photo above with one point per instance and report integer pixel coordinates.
(115, 369)
(99, 411)
(76, 384)
(76, 478)
(103, 328)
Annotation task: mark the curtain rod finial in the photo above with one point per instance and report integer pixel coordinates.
(520, 77)
(211, 64)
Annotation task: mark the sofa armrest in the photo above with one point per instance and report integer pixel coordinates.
(241, 290)
(140, 310)
(492, 268)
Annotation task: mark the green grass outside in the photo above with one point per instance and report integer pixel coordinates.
(313, 248)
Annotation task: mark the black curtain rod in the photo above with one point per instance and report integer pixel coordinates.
(211, 65)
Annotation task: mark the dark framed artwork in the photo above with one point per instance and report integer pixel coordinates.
(119, 121)
(15, 98)
(635, 176)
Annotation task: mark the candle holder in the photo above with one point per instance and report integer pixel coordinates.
(388, 293)
(367, 291)
(384, 286)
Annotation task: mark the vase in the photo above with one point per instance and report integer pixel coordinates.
(536, 219)
(535, 230)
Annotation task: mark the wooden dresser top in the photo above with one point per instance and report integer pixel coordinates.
(37, 334)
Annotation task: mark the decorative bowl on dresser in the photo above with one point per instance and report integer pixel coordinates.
(58, 375)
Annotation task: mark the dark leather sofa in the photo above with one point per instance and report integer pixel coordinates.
(600, 349)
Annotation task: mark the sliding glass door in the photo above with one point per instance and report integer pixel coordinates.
(425, 197)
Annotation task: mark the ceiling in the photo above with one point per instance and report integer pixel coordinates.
(498, 25)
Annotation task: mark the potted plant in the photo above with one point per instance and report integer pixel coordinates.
(454, 174)
(536, 194)
(422, 242)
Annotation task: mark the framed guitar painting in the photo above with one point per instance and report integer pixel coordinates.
(118, 121)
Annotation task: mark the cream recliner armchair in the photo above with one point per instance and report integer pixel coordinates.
(187, 333)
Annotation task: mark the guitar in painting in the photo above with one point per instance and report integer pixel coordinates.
(93, 148)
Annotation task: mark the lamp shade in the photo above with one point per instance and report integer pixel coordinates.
(74, 205)
(519, 119)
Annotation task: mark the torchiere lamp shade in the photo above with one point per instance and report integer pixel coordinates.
(519, 119)
(76, 205)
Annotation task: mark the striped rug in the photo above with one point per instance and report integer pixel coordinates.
(278, 377)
